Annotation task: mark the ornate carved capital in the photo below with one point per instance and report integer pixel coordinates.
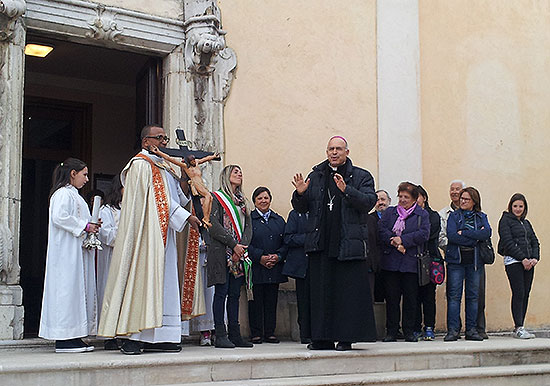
(10, 10)
(204, 37)
(104, 26)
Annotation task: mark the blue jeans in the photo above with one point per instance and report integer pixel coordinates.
(231, 290)
(457, 274)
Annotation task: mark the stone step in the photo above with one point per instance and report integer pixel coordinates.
(529, 375)
(39, 365)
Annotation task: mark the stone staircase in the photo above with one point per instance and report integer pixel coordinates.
(498, 361)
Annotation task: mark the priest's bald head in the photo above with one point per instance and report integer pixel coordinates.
(153, 135)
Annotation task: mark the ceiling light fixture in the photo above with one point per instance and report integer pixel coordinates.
(39, 50)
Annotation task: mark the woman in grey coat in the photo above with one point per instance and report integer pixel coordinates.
(230, 234)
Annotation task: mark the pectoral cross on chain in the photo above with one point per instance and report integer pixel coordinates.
(330, 202)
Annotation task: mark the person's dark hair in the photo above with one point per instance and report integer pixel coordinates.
(259, 190)
(90, 197)
(114, 194)
(409, 188)
(423, 193)
(62, 173)
(147, 130)
(520, 197)
(474, 194)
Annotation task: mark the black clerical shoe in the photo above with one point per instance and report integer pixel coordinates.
(111, 344)
(343, 346)
(321, 345)
(390, 338)
(131, 347)
(162, 347)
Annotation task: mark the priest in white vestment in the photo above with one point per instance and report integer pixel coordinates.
(142, 295)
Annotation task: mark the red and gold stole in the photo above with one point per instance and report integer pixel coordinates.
(190, 272)
(161, 201)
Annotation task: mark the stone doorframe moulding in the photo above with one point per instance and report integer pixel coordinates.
(12, 42)
(93, 23)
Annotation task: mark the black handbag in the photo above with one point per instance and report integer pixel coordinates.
(486, 251)
(423, 261)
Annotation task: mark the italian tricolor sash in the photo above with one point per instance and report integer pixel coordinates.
(233, 213)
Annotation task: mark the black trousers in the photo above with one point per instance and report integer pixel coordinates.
(304, 312)
(262, 311)
(227, 296)
(399, 285)
(520, 283)
(425, 306)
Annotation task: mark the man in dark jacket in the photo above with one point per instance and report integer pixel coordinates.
(338, 197)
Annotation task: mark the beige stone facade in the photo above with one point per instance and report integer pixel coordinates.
(424, 90)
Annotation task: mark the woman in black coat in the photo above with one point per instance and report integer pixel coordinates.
(426, 293)
(267, 252)
(297, 267)
(520, 247)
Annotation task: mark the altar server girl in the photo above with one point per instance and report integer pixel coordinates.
(69, 301)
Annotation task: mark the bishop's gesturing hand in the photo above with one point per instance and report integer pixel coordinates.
(299, 183)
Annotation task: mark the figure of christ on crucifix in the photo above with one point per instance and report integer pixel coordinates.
(193, 171)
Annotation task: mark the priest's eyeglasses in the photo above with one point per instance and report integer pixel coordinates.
(160, 137)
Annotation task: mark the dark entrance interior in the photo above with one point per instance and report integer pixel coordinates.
(80, 101)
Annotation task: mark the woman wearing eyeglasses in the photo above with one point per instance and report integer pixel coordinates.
(466, 226)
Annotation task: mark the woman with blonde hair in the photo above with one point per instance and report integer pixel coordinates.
(228, 264)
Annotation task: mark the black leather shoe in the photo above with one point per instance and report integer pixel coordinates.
(399, 335)
(111, 344)
(390, 338)
(473, 335)
(271, 339)
(131, 347)
(343, 346)
(256, 340)
(452, 336)
(321, 345)
(162, 347)
(483, 334)
(411, 338)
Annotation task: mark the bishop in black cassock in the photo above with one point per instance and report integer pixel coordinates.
(338, 197)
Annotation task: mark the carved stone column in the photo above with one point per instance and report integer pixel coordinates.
(12, 44)
(197, 79)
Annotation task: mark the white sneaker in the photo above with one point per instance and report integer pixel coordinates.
(521, 333)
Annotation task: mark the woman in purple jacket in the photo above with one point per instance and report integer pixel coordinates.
(404, 229)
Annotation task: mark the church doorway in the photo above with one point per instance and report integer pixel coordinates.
(80, 101)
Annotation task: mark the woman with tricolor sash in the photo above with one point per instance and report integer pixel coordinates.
(228, 264)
